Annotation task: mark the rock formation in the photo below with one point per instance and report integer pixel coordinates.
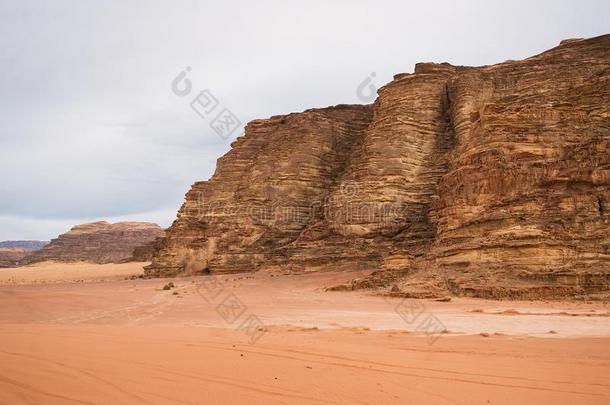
(12, 251)
(523, 203)
(10, 257)
(263, 192)
(145, 252)
(98, 242)
(485, 181)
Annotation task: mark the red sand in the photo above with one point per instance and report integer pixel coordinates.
(129, 342)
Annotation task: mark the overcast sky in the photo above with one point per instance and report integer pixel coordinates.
(90, 128)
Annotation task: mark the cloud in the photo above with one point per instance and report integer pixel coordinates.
(89, 127)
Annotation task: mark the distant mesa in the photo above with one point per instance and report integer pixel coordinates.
(100, 242)
(12, 251)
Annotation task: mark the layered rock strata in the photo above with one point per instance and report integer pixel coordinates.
(525, 197)
(264, 193)
(13, 251)
(10, 257)
(485, 181)
(97, 242)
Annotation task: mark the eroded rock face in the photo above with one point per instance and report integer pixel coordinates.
(484, 181)
(10, 257)
(97, 242)
(263, 194)
(528, 181)
(12, 251)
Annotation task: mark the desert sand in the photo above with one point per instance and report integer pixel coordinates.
(96, 334)
(54, 272)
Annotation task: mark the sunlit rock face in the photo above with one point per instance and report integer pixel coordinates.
(264, 193)
(524, 201)
(493, 180)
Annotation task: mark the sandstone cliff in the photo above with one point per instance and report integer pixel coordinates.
(486, 181)
(263, 192)
(98, 242)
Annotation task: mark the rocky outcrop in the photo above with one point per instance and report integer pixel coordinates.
(12, 251)
(263, 194)
(381, 204)
(10, 257)
(482, 181)
(524, 200)
(97, 242)
(145, 252)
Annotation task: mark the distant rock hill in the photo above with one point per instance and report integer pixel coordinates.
(12, 251)
(24, 244)
(99, 242)
(489, 181)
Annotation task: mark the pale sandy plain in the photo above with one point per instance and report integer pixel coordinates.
(87, 334)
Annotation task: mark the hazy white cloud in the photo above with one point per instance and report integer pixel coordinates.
(90, 129)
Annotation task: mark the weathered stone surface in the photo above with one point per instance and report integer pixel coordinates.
(97, 242)
(12, 251)
(382, 202)
(10, 257)
(483, 181)
(528, 184)
(145, 252)
(263, 193)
